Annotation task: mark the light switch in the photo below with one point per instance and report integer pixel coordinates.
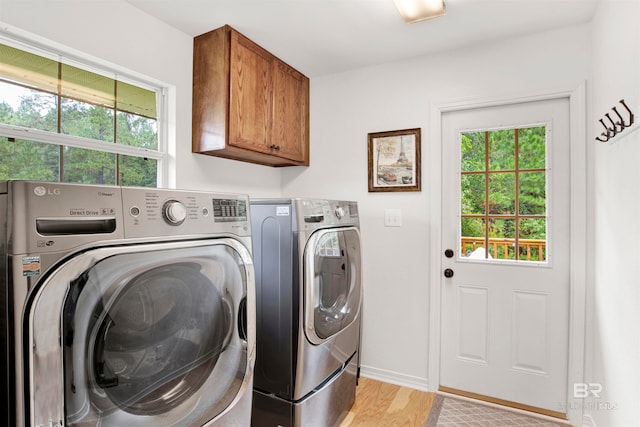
(392, 218)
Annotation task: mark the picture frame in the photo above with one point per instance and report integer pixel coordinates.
(394, 160)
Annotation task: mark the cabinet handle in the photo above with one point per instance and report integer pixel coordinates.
(274, 147)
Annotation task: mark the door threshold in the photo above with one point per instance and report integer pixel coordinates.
(505, 404)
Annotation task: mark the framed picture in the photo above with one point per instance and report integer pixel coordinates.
(394, 160)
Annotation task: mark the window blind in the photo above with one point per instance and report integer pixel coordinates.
(18, 66)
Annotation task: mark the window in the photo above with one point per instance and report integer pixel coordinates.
(504, 199)
(61, 120)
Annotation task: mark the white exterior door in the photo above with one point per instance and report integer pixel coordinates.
(505, 282)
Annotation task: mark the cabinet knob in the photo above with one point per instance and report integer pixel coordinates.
(274, 147)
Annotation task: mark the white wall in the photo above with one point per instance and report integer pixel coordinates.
(614, 303)
(116, 32)
(347, 106)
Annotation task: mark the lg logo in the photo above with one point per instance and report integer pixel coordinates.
(582, 390)
(42, 191)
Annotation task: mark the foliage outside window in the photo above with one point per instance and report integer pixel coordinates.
(62, 122)
(503, 194)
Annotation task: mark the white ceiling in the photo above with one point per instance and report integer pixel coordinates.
(320, 37)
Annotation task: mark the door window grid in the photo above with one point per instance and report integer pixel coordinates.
(503, 194)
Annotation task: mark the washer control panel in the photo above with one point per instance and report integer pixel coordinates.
(54, 216)
(150, 212)
(229, 210)
(174, 212)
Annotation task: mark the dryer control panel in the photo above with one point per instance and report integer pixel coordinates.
(315, 213)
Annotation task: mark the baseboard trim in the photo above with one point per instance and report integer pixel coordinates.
(396, 378)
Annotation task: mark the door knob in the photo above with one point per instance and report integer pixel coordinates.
(448, 273)
(448, 253)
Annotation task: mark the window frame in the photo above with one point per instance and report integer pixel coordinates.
(63, 54)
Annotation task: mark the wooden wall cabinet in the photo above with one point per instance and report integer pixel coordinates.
(247, 104)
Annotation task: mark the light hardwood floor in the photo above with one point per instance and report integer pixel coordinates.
(381, 404)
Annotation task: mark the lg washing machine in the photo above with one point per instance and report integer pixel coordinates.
(125, 306)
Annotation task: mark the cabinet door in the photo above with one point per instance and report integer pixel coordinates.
(250, 107)
(291, 113)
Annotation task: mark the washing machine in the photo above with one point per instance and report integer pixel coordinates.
(125, 306)
(308, 298)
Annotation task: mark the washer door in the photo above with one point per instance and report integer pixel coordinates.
(153, 336)
(333, 292)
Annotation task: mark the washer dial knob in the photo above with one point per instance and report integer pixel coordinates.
(339, 212)
(174, 212)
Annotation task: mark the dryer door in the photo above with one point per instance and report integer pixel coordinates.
(333, 291)
(150, 335)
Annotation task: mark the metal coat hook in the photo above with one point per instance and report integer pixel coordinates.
(614, 128)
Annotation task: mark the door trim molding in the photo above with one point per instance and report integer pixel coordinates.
(578, 217)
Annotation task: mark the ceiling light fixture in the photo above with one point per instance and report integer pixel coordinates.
(419, 10)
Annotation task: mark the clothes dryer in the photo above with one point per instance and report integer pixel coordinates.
(125, 306)
(309, 294)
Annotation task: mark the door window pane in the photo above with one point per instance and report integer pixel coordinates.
(503, 185)
(473, 151)
(473, 194)
(533, 233)
(502, 193)
(533, 193)
(502, 238)
(473, 242)
(502, 155)
(531, 144)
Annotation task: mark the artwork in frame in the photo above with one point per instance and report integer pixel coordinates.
(394, 160)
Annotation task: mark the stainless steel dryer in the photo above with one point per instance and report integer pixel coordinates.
(125, 306)
(309, 293)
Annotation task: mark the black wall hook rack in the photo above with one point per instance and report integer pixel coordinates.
(614, 128)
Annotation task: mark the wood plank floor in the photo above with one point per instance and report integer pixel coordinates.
(383, 404)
